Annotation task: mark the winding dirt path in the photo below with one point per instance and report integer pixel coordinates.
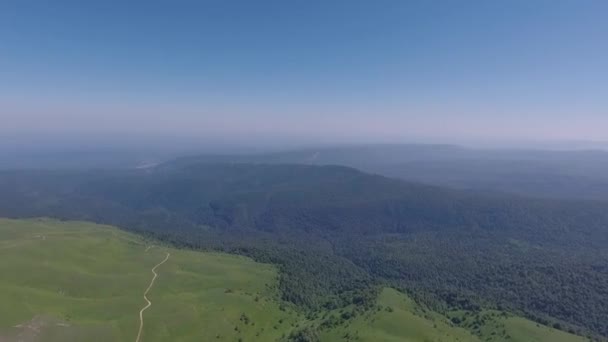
(141, 312)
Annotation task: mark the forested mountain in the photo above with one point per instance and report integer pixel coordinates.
(581, 174)
(337, 233)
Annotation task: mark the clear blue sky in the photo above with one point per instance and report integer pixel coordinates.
(308, 70)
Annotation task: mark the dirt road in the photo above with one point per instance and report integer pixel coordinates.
(141, 312)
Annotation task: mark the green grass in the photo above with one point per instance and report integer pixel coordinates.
(493, 325)
(93, 277)
(524, 330)
(398, 318)
(78, 281)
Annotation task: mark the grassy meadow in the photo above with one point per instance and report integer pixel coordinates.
(77, 279)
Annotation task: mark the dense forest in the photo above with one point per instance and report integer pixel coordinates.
(336, 233)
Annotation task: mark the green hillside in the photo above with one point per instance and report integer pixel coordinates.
(72, 281)
(399, 318)
(75, 280)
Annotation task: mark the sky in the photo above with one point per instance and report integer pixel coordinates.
(304, 71)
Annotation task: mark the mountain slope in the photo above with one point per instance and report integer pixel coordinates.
(336, 234)
(85, 282)
(581, 174)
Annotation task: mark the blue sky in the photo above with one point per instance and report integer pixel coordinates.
(333, 71)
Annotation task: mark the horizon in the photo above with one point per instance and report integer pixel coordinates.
(69, 152)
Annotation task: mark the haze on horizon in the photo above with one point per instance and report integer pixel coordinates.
(304, 72)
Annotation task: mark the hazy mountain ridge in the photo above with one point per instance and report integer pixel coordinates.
(581, 174)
